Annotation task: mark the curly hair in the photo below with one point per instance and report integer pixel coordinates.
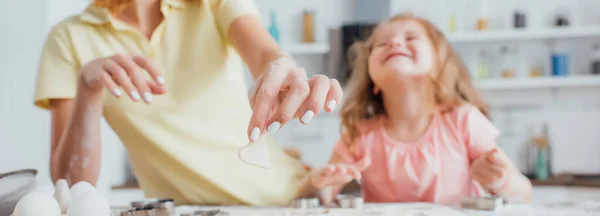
(450, 80)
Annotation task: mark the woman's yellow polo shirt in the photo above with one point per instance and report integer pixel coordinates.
(184, 144)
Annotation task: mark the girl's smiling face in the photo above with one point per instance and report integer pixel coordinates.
(399, 49)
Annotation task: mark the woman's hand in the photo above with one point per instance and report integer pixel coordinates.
(126, 72)
(338, 174)
(492, 170)
(284, 92)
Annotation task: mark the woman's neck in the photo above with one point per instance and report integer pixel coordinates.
(144, 15)
(408, 111)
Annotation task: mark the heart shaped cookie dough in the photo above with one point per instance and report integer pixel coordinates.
(255, 154)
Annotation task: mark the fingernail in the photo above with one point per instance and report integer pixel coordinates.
(331, 105)
(135, 95)
(255, 134)
(274, 127)
(117, 92)
(148, 97)
(307, 116)
(160, 80)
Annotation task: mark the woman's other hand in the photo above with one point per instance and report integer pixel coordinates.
(122, 71)
(284, 92)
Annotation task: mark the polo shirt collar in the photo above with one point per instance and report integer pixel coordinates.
(100, 15)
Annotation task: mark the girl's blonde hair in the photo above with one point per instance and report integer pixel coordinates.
(450, 80)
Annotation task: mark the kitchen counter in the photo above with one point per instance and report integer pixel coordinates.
(547, 200)
(410, 209)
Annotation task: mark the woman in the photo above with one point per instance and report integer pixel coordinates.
(167, 77)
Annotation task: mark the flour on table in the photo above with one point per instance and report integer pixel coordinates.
(255, 154)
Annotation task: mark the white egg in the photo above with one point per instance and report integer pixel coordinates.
(80, 188)
(37, 204)
(89, 204)
(47, 189)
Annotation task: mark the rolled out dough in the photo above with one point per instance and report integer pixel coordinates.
(255, 154)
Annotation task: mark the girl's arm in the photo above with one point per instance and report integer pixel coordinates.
(497, 174)
(516, 186)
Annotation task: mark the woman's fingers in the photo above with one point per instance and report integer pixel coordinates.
(121, 78)
(264, 100)
(111, 85)
(319, 86)
(298, 91)
(150, 67)
(334, 95)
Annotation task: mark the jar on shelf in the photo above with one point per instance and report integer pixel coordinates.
(308, 35)
(483, 61)
(507, 66)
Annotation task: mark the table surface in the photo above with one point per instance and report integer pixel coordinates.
(580, 208)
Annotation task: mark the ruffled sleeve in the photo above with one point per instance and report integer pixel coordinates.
(479, 132)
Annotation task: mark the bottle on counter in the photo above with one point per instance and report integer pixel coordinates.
(531, 152)
(273, 29)
(309, 27)
(595, 59)
(543, 160)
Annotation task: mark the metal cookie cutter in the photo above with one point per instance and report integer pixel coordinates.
(305, 203)
(216, 212)
(151, 207)
(350, 201)
(483, 203)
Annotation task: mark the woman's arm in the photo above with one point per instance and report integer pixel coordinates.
(75, 138)
(254, 44)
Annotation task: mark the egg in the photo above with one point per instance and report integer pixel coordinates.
(89, 204)
(62, 195)
(47, 189)
(37, 204)
(80, 188)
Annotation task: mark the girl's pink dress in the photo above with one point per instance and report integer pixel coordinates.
(432, 169)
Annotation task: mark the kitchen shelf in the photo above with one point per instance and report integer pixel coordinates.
(306, 48)
(524, 34)
(538, 82)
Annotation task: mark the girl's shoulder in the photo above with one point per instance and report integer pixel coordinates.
(462, 113)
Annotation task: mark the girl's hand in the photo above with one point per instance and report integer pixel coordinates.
(284, 92)
(492, 170)
(338, 174)
(125, 72)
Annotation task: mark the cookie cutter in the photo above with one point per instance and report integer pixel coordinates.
(151, 207)
(483, 203)
(147, 212)
(350, 201)
(215, 212)
(305, 203)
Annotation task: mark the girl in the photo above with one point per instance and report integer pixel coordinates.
(415, 128)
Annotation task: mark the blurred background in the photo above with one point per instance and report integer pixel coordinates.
(537, 62)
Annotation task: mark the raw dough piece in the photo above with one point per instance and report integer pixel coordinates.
(255, 154)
